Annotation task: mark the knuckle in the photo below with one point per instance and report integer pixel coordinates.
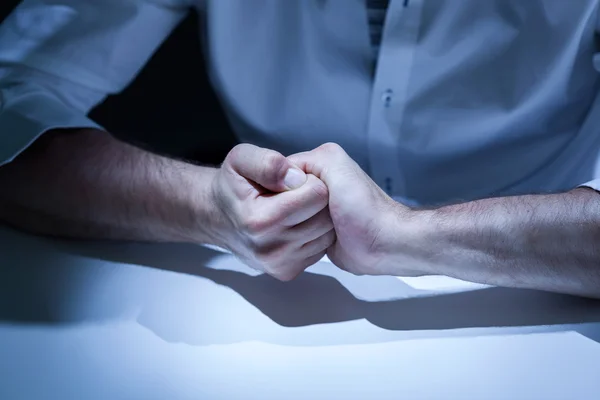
(331, 147)
(284, 274)
(274, 165)
(256, 224)
(235, 152)
(287, 276)
(274, 262)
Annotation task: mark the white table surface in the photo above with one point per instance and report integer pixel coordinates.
(81, 320)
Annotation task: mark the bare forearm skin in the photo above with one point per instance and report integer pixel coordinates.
(87, 184)
(547, 242)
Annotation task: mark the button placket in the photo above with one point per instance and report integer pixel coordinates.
(386, 98)
(389, 93)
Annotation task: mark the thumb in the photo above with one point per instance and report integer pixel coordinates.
(266, 168)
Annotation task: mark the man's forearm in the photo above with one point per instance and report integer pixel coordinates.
(547, 242)
(88, 184)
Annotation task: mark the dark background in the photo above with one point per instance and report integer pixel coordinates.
(170, 108)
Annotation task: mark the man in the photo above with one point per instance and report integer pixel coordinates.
(477, 104)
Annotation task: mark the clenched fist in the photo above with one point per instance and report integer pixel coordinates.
(365, 218)
(272, 215)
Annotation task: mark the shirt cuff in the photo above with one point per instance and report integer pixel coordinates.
(25, 119)
(594, 184)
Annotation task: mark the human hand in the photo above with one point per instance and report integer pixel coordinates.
(368, 223)
(271, 215)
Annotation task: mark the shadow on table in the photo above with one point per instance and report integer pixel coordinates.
(36, 281)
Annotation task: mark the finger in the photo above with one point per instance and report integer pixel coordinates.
(296, 206)
(322, 160)
(287, 272)
(312, 260)
(312, 228)
(320, 244)
(265, 167)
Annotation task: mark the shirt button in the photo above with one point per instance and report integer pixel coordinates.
(386, 97)
(388, 186)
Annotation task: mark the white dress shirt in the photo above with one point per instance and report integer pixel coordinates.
(469, 98)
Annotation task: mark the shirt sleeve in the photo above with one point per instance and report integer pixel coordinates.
(59, 58)
(594, 184)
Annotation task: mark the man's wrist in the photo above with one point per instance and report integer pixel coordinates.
(202, 219)
(409, 244)
(216, 219)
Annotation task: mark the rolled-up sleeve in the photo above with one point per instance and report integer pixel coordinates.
(59, 58)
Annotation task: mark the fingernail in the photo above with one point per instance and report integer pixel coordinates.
(294, 178)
